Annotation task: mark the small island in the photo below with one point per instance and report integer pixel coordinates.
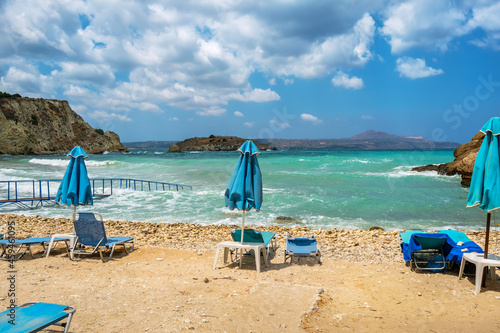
(214, 143)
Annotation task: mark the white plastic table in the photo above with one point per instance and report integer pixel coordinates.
(71, 237)
(256, 247)
(478, 259)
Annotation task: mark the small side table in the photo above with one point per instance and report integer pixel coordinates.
(478, 259)
(71, 237)
(256, 247)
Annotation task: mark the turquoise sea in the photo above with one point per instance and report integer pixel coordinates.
(328, 189)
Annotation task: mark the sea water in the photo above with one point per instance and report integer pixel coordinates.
(327, 189)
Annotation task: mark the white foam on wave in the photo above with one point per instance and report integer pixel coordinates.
(365, 161)
(159, 152)
(64, 162)
(405, 171)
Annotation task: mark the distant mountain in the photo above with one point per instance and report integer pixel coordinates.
(373, 135)
(369, 140)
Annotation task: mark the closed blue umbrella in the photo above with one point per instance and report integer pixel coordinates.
(244, 190)
(75, 187)
(484, 189)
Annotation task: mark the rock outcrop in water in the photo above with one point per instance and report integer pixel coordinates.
(30, 126)
(465, 156)
(216, 143)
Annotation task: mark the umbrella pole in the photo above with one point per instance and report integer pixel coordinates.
(486, 243)
(242, 231)
(243, 225)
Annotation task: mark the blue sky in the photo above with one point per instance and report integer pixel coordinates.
(170, 70)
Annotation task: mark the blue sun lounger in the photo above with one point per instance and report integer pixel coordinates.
(255, 236)
(35, 316)
(301, 247)
(91, 237)
(433, 249)
(20, 246)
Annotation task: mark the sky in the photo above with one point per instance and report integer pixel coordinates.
(170, 70)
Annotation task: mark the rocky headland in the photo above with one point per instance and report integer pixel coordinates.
(465, 156)
(36, 126)
(214, 143)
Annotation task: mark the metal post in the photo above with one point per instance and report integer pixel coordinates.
(40, 192)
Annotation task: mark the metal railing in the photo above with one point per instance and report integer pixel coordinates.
(35, 192)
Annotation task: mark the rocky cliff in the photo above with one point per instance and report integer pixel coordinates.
(465, 156)
(41, 126)
(215, 143)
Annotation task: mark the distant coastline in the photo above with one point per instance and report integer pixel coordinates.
(369, 140)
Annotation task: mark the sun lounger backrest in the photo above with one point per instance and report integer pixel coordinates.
(89, 230)
(428, 243)
(249, 236)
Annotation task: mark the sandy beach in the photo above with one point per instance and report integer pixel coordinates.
(168, 284)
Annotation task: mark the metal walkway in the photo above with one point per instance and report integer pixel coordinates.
(33, 193)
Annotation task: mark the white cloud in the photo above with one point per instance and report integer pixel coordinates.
(90, 73)
(135, 56)
(238, 114)
(103, 115)
(150, 107)
(310, 118)
(174, 119)
(249, 124)
(256, 95)
(277, 125)
(425, 24)
(415, 68)
(367, 117)
(488, 19)
(211, 112)
(343, 80)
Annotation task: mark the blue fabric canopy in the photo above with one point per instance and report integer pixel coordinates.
(75, 187)
(485, 184)
(452, 251)
(244, 190)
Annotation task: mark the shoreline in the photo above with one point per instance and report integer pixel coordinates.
(376, 246)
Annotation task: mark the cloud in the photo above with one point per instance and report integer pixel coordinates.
(367, 117)
(215, 111)
(238, 114)
(343, 80)
(103, 115)
(424, 24)
(174, 119)
(193, 57)
(257, 95)
(277, 125)
(487, 18)
(310, 118)
(249, 124)
(415, 68)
